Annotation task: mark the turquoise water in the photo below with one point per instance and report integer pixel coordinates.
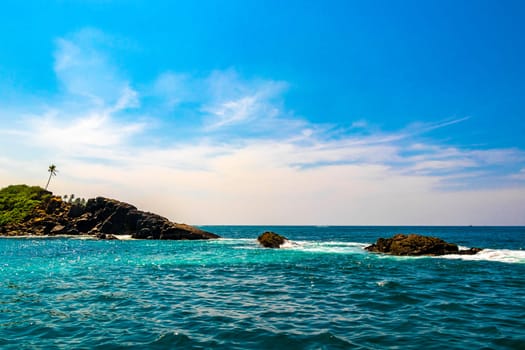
(322, 292)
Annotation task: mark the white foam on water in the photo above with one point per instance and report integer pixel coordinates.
(303, 246)
(325, 247)
(382, 283)
(124, 237)
(235, 243)
(230, 241)
(290, 244)
(499, 255)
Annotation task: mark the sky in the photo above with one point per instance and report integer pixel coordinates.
(271, 112)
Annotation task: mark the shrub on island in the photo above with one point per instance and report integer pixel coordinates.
(17, 202)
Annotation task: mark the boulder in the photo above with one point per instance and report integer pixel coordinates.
(113, 217)
(53, 205)
(416, 245)
(271, 239)
(75, 211)
(85, 223)
(58, 230)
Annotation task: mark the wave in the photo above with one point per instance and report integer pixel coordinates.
(326, 247)
(499, 255)
(340, 247)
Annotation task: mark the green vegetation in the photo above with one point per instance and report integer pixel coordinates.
(18, 201)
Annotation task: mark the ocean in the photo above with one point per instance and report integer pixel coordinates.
(321, 292)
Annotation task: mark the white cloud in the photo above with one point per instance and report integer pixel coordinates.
(128, 99)
(85, 70)
(94, 129)
(83, 120)
(255, 184)
(231, 112)
(233, 101)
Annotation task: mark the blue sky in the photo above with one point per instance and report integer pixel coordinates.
(271, 112)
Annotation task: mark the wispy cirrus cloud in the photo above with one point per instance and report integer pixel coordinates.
(173, 88)
(419, 127)
(225, 100)
(85, 70)
(233, 101)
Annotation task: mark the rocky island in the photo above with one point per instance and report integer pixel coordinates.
(417, 245)
(33, 211)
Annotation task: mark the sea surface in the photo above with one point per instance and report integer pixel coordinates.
(323, 291)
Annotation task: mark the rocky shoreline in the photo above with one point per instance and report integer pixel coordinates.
(101, 218)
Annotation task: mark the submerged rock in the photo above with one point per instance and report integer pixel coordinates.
(416, 245)
(271, 239)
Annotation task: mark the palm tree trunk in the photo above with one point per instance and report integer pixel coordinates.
(50, 174)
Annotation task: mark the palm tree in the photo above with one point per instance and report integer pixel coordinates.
(52, 172)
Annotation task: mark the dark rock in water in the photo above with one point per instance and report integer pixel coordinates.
(271, 239)
(415, 245)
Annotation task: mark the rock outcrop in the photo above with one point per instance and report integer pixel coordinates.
(101, 218)
(271, 239)
(415, 245)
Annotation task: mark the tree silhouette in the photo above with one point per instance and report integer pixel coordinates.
(52, 172)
